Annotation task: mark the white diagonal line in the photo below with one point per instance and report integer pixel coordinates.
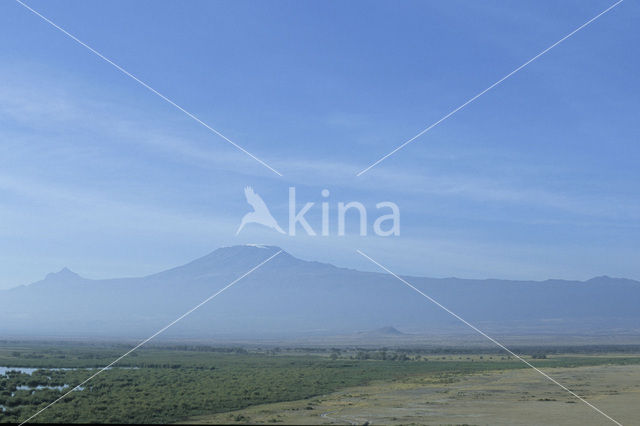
(155, 334)
(491, 339)
(489, 88)
(146, 86)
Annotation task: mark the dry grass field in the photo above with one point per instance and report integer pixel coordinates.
(509, 397)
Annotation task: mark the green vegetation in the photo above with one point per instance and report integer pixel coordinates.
(174, 383)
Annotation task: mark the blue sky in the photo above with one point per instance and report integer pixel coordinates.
(536, 179)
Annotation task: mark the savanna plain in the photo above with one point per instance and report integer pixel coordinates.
(178, 383)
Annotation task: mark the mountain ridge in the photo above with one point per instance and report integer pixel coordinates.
(230, 253)
(288, 295)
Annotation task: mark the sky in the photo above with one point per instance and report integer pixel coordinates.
(538, 178)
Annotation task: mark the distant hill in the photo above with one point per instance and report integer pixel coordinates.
(383, 331)
(289, 296)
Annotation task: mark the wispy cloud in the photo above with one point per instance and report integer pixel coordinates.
(54, 110)
(478, 188)
(79, 207)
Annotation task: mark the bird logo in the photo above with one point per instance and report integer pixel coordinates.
(260, 213)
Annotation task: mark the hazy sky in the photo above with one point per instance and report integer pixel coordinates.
(536, 179)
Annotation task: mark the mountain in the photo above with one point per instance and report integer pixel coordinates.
(288, 296)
